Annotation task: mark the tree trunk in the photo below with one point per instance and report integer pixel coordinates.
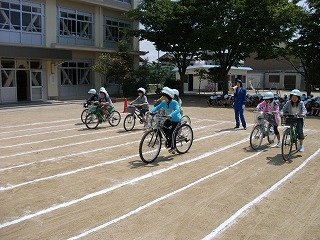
(225, 81)
(183, 78)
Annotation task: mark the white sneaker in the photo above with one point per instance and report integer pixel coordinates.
(277, 145)
(301, 149)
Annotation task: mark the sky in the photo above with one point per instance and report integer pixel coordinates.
(147, 46)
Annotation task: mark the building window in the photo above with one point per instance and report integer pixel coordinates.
(23, 16)
(22, 22)
(75, 27)
(116, 31)
(274, 78)
(76, 73)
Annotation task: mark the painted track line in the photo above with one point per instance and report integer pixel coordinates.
(133, 212)
(76, 154)
(117, 186)
(12, 186)
(230, 221)
(39, 123)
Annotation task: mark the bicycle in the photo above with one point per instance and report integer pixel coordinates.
(96, 116)
(262, 128)
(151, 141)
(289, 136)
(130, 120)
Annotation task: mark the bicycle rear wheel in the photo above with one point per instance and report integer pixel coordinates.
(129, 122)
(92, 121)
(183, 138)
(256, 137)
(286, 146)
(150, 146)
(114, 118)
(270, 134)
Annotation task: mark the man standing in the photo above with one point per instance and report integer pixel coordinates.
(239, 104)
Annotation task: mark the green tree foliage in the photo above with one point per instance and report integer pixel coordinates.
(169, 25)
(305, 47)
(233, 29)
(148, 73)
(115, 67)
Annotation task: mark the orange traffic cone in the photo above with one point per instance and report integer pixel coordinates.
(125, 105)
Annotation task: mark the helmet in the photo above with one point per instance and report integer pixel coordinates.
(142, 90)
(102, 89)
(92, 91)
(295, 92)
(168, 91)
(175, 92)
(268, 95)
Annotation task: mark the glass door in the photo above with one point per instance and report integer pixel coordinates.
(36, 85)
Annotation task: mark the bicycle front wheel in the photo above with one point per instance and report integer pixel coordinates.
(150, 146)
(114, 118)
(183, 138)
(256, 137)
(286, 146)
(271, 135)
(186, 119)
(92, 121)
(129, 122)
(84, 114)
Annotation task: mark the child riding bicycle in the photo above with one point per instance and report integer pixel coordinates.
(172, 110)
(270, 105)
(105, 100)
(141, 102)
(94, 96)
(296, 107)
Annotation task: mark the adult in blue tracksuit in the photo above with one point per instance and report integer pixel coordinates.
(172, 109)
(239, 104)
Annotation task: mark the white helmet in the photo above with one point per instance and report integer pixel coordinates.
(92, 91)
(168, 91)
(176, 92)
(295, 92)
(102, 89)
(268, 95)
(141, 89)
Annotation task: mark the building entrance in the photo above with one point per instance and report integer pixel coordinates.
(23, 85)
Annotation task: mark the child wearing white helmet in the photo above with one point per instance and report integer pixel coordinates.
(296, 107)
(141, 102)
(105, 100)
(94, 96)
(172, 109)
(270, 105)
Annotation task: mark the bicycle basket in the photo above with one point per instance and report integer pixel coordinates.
(288, 120)
(131, 109)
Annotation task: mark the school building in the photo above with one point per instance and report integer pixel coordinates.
(47, 47)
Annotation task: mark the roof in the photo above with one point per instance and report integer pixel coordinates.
(213, 66)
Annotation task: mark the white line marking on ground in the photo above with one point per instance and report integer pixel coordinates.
(117, 186)
(230, 221)
(160, 199)
(11, 186)
(66, 145)
(39, 123)
(38, 128)
(73, 154)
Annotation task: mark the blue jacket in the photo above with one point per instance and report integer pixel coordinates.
(240, 98)
(172, 110)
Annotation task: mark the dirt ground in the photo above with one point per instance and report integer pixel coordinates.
(59, 180)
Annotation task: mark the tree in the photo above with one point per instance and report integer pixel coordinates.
(231, 29)
(117, 67)
(305, 47)
(169, 25)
